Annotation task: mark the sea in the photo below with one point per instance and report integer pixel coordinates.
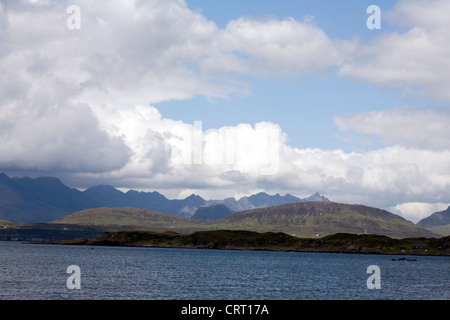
(60, 272)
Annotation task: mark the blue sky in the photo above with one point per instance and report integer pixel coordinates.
(342, 19)
(305, 105)
(293, 96)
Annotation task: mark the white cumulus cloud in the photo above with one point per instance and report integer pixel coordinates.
(79, 103)
(416, 211)
(406, 126)
(414, 61)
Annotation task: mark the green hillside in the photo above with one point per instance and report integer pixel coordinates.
(441, 230)
(317, 219)
(138, 218)
(301, 219)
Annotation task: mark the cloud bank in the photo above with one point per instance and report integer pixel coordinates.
(80, 104)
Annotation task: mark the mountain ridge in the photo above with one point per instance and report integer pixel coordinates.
(437, 219)
(438, 222)
(43, 199)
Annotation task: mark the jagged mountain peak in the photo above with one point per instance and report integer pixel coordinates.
(316, 197)
(194, 196)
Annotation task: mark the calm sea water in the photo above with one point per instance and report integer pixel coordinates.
(33, 271)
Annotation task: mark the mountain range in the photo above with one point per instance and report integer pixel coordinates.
(44, 199)
(47, 199)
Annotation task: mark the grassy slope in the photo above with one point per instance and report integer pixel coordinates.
(310, 219)
(141, 218)
(441, 230)
(304, 219)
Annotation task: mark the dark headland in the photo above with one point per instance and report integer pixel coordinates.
(273, 241)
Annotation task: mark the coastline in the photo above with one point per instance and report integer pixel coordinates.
(253, 241)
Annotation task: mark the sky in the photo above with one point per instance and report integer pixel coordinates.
(230, 98)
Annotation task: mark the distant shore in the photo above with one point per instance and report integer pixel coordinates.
(270, 241)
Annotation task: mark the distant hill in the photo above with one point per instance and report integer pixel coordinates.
(438, 222)
(8, 224)
(213, 212)
(441, 230)
(301, 219)
(308, 219)
(47, 198)
(437, 219)
(134, 218)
